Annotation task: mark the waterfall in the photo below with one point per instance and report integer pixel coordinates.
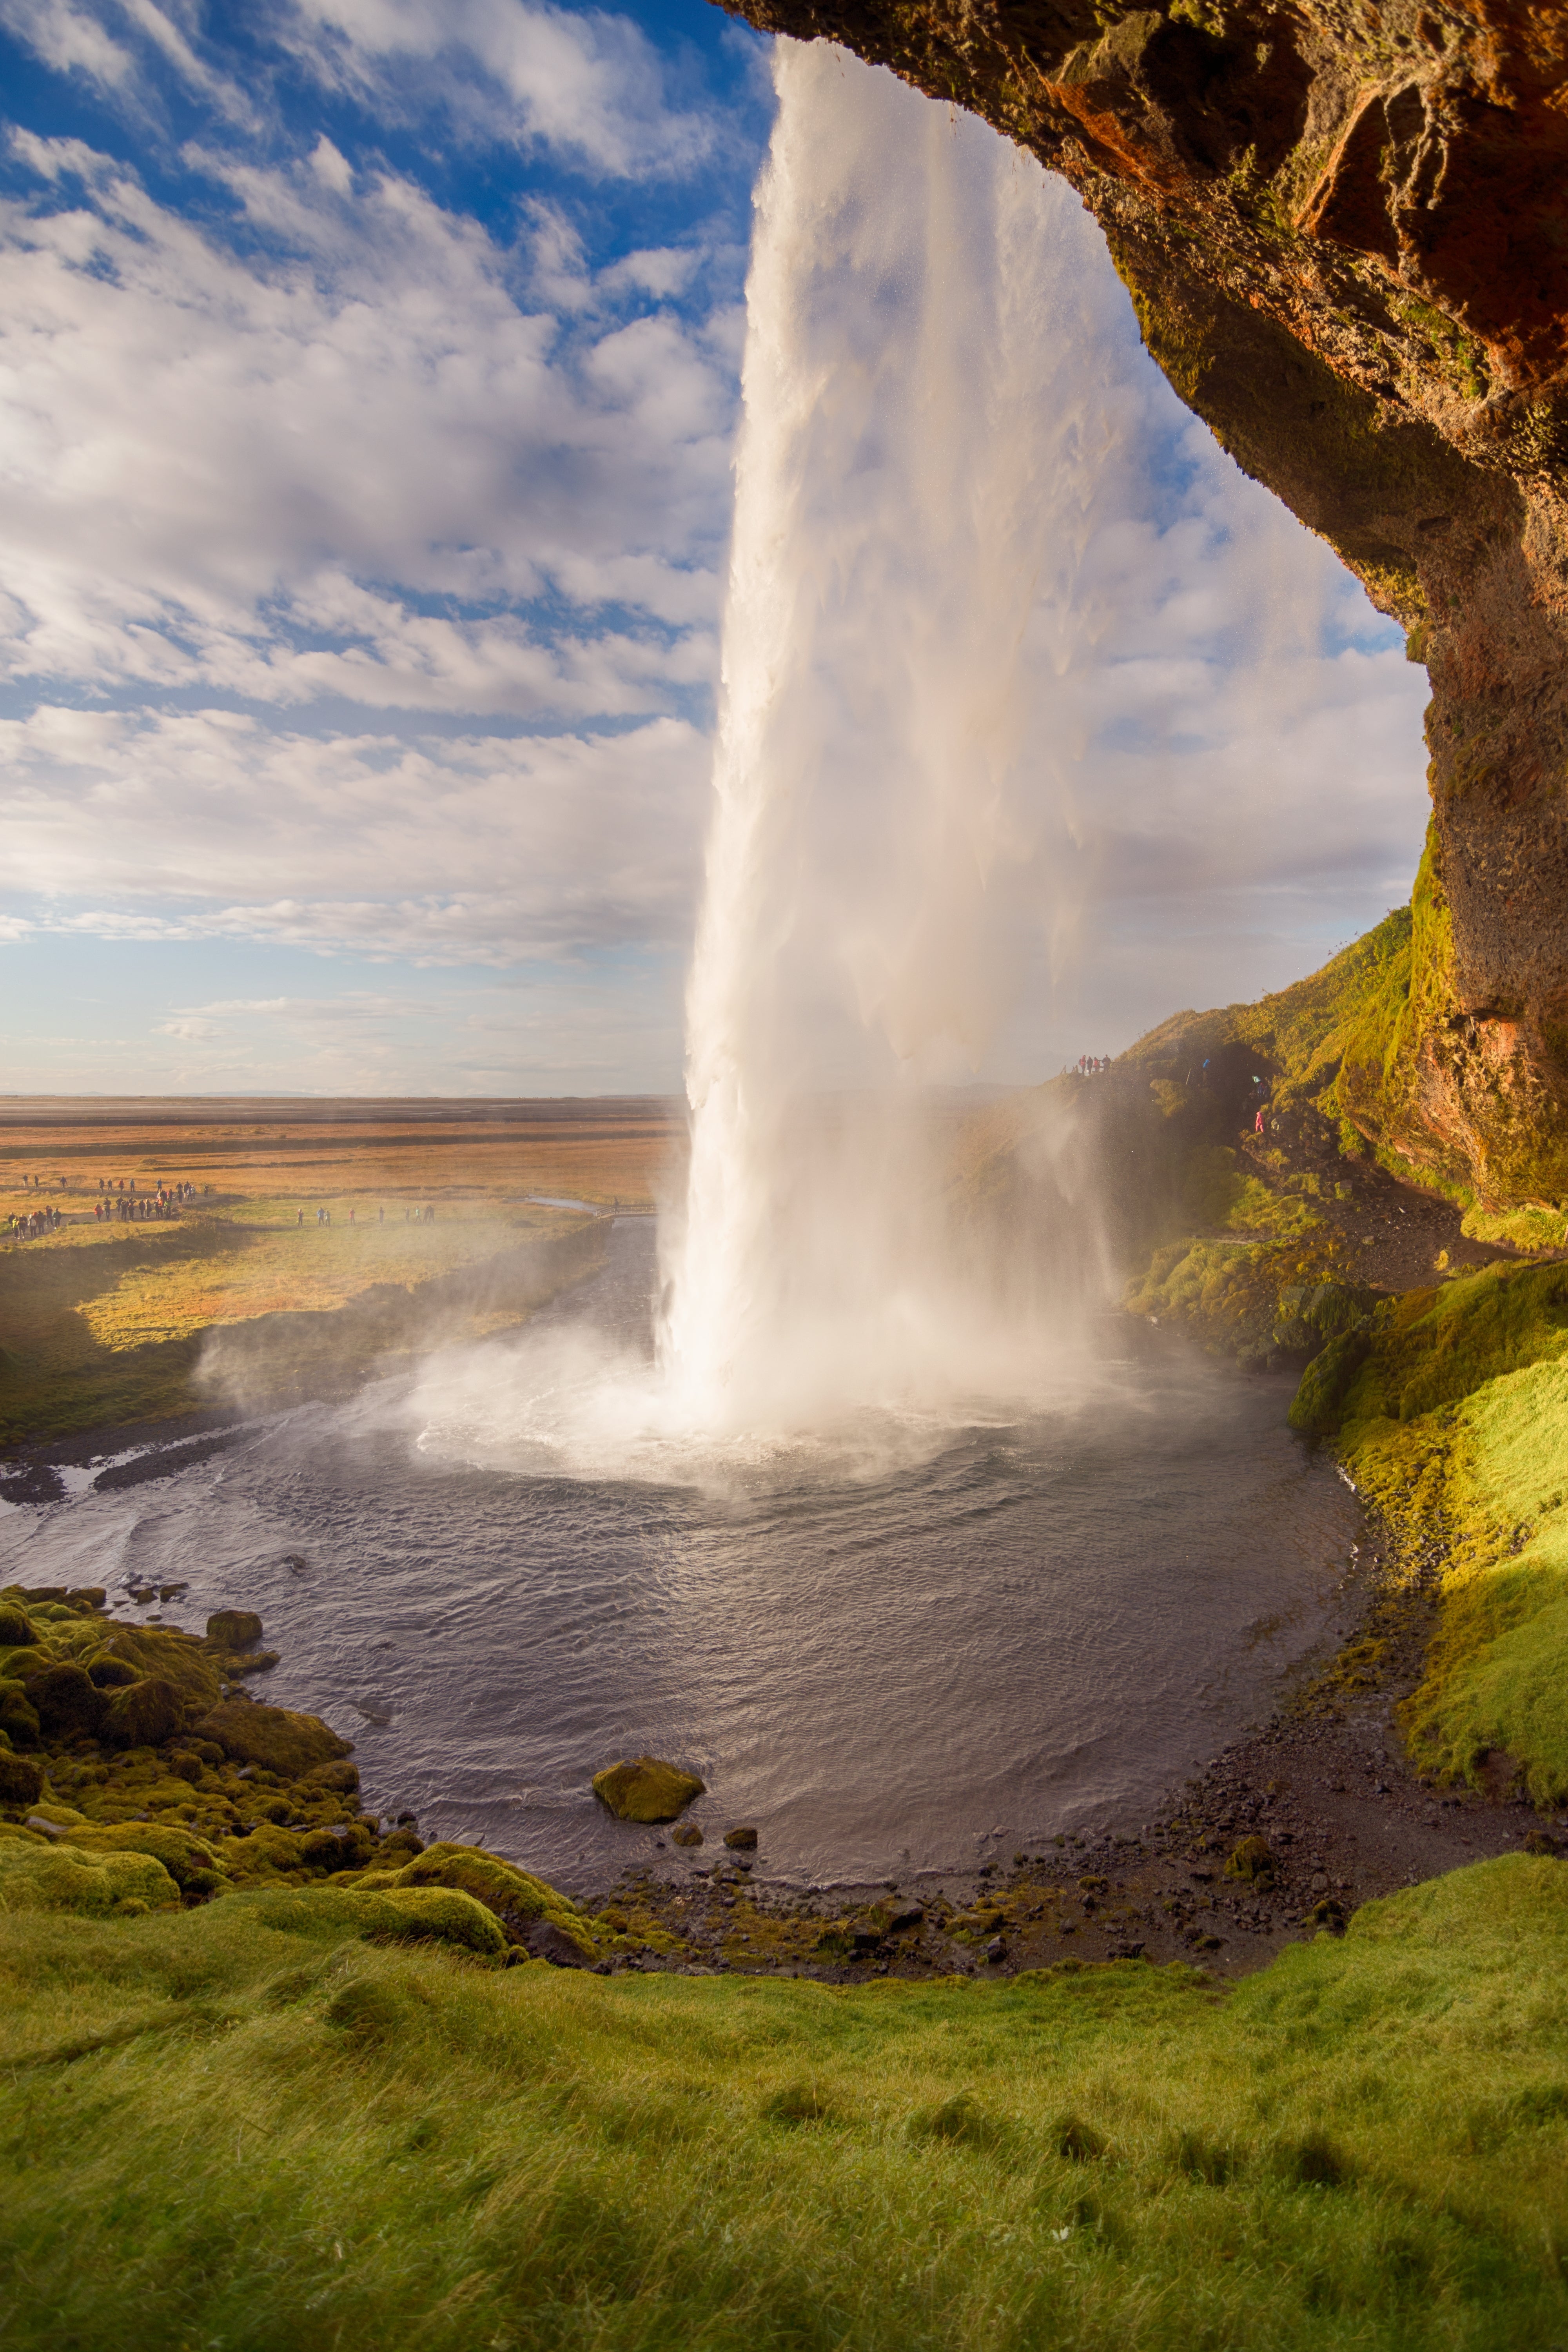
(923, 432)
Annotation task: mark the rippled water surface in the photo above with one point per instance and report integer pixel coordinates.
(1018, 1628)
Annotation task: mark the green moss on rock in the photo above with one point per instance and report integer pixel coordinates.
(143, 1714)
(274, 1738)
(35, 1878)
(648, 1789)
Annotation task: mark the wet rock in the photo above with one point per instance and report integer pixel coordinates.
(742, 1837)
(905, 1914)
(340, 1775)
(647, 1789)
(235, 1629)
(688, 1834)
(546, 1941)
(15, 1627)
(995, 1952)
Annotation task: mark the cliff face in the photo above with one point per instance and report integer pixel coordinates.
(1345, 230)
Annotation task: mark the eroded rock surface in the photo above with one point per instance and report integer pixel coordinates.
(1343, 232)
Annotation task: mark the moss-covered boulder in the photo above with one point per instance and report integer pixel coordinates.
(1251, 1861)
(267, 1853)
(16, 1626)
(109, 1671)
(175, 1657)
(21, 1780)
(233, 1629)
(143, 1714)
(446, 1915)
(195, 1867)
(274, 1738)
(18, 1716)
(515, 1896)
(37, 1877)
(647, 1789)
(69, 1705)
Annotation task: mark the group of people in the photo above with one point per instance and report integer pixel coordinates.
(1093, 1065)
(166, 1201)
(34, 1223)
(415, 1216)
(118, 1201)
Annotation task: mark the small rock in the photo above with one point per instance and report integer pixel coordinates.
(546, 1941)
(235, 1629)
(995, 1952)
(647, 1789)
(685, 1833)
(1319, 1881)
(742, 1837)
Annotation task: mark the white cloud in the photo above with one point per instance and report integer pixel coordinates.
(341, 468)
(477, 849)
(588, 85)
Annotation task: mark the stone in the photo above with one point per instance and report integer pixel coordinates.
(995, 1952)
(685, 1833)
(546, 1941)
(143, 1714)
(17, 1630)
(647, 1789)
(67, 1703)
(275, 1738)
(109, 1672)
(742, 1837)
(1252, 1861)
(235, 1629)
(21, 1780)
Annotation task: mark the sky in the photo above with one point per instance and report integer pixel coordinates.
(368, 384)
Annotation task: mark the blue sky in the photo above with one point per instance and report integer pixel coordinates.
(368, 373)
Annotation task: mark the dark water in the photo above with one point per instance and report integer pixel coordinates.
(1034, 1627)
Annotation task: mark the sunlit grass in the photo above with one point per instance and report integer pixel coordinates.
(294, 2138)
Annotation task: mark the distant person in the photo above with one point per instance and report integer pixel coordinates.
(299, 1218)
(1258, 1124)
(381, 1216)
(351, 1217)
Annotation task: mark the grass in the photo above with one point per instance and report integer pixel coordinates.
(1456, 1424)
(220, 2131)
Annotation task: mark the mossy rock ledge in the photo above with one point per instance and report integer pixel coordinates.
(648, 1789)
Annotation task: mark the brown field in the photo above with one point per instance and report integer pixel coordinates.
(104, 1323)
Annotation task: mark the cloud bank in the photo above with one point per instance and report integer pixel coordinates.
(366, 405)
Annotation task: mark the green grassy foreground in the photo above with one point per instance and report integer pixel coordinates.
(244, 2125)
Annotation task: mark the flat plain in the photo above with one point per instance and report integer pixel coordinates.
(104, 1323)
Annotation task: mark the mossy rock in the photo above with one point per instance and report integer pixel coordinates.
(195, 1867)
(274, 1738)
(1251, 1861)
(178, 1657)
(35, 1878)
(111, 1673)
(515, 1896)
(409, 1915)
(1326, 1383)
(233, 1629)
(647, 1789)
(21, 1780)
(18, 1716)
(15, 1627)
(69, 1705)
(143, 1714)
(448, 1916)
(266, 1853)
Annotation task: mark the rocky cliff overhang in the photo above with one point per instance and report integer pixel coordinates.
(1345, 230)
